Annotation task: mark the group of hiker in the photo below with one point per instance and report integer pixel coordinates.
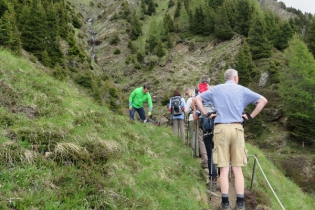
(219, 111)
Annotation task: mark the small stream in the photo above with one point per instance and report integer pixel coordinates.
(92, 40)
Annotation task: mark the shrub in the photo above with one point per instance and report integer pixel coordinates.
(137, 66)
(115, 39)
(117, 51)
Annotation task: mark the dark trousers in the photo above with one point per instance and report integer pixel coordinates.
(209, 146)
(140, 111)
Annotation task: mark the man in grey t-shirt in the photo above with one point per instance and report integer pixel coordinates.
(230, 100)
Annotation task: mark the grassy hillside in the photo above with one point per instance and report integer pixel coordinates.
(60, 150)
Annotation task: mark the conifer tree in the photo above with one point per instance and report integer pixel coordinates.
(52, 46)
(6, 29)
(169, 43)
(191, 20)
(9, 34)
(285, 35)
(244, 64)
(170, 3)
(274, 70)
(154, 35)
(140, 57)
(186, 5)
(45, 59)
(151, 7)
(183, 21)
(273, 30)
(3, 8)
(249, 58)
(33, 31)
(126, 10)
(230, 7)
(222, 28)
(310, 40)
(243, 17)
(160, 49)
(168, 23)
(135, 29)
(208, 26)
(297, 90)
(199, 18)
(178, 8)
(215, 3)
(63, 19)
(293, 25)
(143, 7)
(260, 46)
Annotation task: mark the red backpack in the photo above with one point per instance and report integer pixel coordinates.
(202, 87)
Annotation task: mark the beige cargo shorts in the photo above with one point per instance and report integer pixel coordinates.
(229, 145)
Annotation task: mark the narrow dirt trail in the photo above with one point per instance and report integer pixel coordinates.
(250, 200)
(216, 193)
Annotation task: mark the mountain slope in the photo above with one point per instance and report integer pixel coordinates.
(59, 150)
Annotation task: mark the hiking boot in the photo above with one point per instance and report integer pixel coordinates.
(225, 207)
(238, 207)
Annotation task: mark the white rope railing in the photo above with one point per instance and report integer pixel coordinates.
(256, 160)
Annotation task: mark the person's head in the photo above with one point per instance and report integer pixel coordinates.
(205, 78)
(231, 74)
(176, 93)
(188, 92)
(146, 88)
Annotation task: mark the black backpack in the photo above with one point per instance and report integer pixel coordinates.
(176, 106)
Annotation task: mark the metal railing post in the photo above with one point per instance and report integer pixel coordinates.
(253, 174)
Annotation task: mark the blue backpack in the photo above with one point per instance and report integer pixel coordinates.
(207, 124)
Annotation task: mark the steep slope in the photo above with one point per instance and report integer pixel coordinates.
(182, 67)
(59, 150)
(276, 8)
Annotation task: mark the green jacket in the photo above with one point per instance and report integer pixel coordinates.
(137, 98)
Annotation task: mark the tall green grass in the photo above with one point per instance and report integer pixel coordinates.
(59, 150)
(288, 193)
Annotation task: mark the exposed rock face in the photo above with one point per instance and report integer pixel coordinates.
(275, 7)
(263, 79)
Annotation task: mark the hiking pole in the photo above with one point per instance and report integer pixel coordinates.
(187, 120)
(197, 140)
(193, 144)
(210, 173)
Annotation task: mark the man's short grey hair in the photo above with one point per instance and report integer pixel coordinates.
(229, 74)
(205, 78)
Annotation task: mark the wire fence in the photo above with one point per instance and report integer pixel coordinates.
(262, 171)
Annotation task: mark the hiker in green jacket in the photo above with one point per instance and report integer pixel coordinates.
(136, 100)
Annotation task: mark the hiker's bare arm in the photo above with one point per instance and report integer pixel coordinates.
(199, 104)
(259, 106)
